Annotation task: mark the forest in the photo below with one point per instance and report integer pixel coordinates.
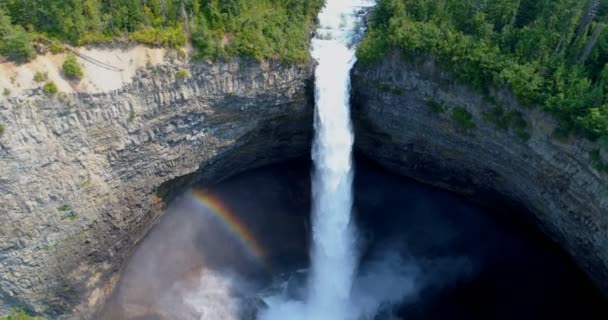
(550, 53)
(263, 29)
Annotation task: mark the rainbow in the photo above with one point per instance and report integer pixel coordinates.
(232, 223)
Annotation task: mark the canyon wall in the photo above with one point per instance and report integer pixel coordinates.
(418, 121)
(83, 176)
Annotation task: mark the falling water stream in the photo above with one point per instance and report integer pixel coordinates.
(333, 253)
(333, 256)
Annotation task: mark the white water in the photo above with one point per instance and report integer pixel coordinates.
(334, 258)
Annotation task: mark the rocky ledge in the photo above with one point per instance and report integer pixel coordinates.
(83, 176)
(416, 120)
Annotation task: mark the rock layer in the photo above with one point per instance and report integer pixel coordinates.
(83, 177)
(405, 119)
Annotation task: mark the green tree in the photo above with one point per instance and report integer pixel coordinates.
(71, 68)
(14, 41)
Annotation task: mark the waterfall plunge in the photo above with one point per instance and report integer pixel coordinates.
(333, 255)
(334, 258)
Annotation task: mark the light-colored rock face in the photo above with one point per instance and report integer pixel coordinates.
(554, 180)
(79, 173)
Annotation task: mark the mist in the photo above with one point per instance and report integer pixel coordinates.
(423, 254)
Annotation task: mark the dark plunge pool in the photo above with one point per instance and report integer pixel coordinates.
(217, 250)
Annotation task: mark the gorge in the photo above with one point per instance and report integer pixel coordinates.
(86, 175)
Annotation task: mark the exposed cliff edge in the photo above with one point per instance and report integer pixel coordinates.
(416, 120)
(79, 172)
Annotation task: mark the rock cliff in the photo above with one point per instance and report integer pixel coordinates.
(83, 176)
(418, 121)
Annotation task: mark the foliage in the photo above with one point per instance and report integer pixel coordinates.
(551, 54)
(56, 48)
(506, 120)
(436, 107)
(2, 129)
(182, 74)
(63, 207)
(50, 88)
(71, 68)
(40, 76)
(20, 314)
(14, 41)
(597, 162)
(6, 91)
(463, 118)
(264, 29)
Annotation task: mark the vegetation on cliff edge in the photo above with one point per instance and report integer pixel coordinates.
(264, 29)
(550, 53)
(20, 314)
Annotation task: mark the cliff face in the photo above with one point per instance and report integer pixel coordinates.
(82, 176)
(416, 120)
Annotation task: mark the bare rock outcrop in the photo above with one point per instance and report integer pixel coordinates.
(416, 120)
(83, 176)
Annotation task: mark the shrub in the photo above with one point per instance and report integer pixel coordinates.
(63, 208)
(40, 76)
(597, 162)
(50, 88)
(508, 120)
(463, 118)
(20, 314)
(182, 74)
(71, 68)
(56, 47)
(436, 107)
(1, 129)
(6, 92)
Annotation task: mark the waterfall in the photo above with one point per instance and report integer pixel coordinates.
(333, 256)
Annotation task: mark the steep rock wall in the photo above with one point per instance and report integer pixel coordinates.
(412, 118)
(81, 175)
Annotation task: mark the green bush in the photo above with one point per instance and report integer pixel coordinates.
(436, 107)
(40, 76)
(71, 69)
(597, 162)
(20, 314)
(182, 74)
(50, 88)
(463, 118)
(513, 120)
(6, 92)
(1, 129)
(56, 48)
